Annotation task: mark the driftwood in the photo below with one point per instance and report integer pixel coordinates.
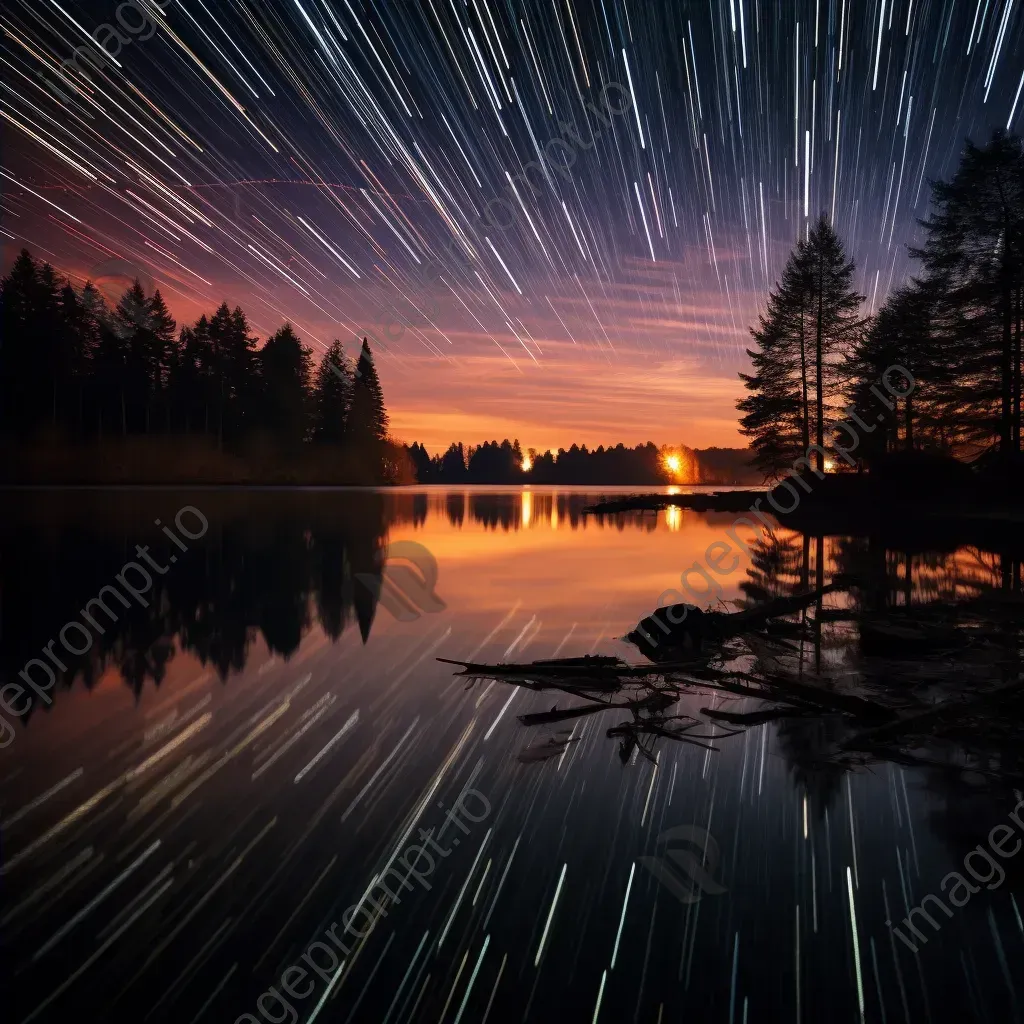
(885, 722)
(686, 628)
(590, 663)
(655, 700)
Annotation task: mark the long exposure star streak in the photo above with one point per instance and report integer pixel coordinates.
(556, 219)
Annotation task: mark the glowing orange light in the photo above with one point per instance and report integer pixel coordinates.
(527, 464)
(674, 463)
(829, 465)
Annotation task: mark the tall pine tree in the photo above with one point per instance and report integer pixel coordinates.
(332, 396)
(285, 364)
(810, 320)
(974, 259)
(367, 421)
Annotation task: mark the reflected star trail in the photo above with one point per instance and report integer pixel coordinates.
(188, 827)
(556, 219)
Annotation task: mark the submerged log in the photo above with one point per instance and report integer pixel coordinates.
(557, 715)
(685, 627)
(654, 702)
(600, 663)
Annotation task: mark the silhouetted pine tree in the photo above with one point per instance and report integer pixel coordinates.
(332, 396)
(452, 468)
(901, 334)
(81, 314)
(67, 361)
(234, 371)
(163, 356)
(810, 319)
(51, 339)
(146, 332)
(773, 414)
(367, 421)
(193, 386)
(284, 367)
(834, 318)
(17, 319)
(421, 463)
(974, 259)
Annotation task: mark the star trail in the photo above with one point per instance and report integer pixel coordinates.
(557, 220)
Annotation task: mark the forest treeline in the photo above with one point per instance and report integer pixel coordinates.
(505, 462)
(955, 327)
(74, 369)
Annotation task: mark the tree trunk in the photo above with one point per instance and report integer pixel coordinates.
(819, 383)
(1006, 403)
(908, 422)
(1016, 377)
(805, 416)
(819, 580)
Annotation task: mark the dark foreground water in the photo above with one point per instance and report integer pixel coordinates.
(268, 742)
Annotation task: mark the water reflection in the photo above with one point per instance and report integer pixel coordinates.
(266, 733)
(277, 565)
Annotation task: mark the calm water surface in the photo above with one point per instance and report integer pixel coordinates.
(229, 768)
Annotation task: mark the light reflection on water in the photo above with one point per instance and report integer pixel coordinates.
(216, 721)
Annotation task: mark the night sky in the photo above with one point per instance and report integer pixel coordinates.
(329, 162)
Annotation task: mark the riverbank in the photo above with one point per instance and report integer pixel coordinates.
(912, 514)
(197, 461)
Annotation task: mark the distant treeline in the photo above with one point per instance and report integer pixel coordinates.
(953, 334)
(94, 393)
(644, 465)
(74, 369)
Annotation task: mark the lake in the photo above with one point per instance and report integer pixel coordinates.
(257, 758)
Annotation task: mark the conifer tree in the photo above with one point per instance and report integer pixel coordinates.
(332, 395)
(132, 325)
(810, 320)
(834, 314)
(367, 421)
(900, 335)
(68, 361)
(284, 365)
(162, 355)
(974, 259)
(774, 413)
(17, 327)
